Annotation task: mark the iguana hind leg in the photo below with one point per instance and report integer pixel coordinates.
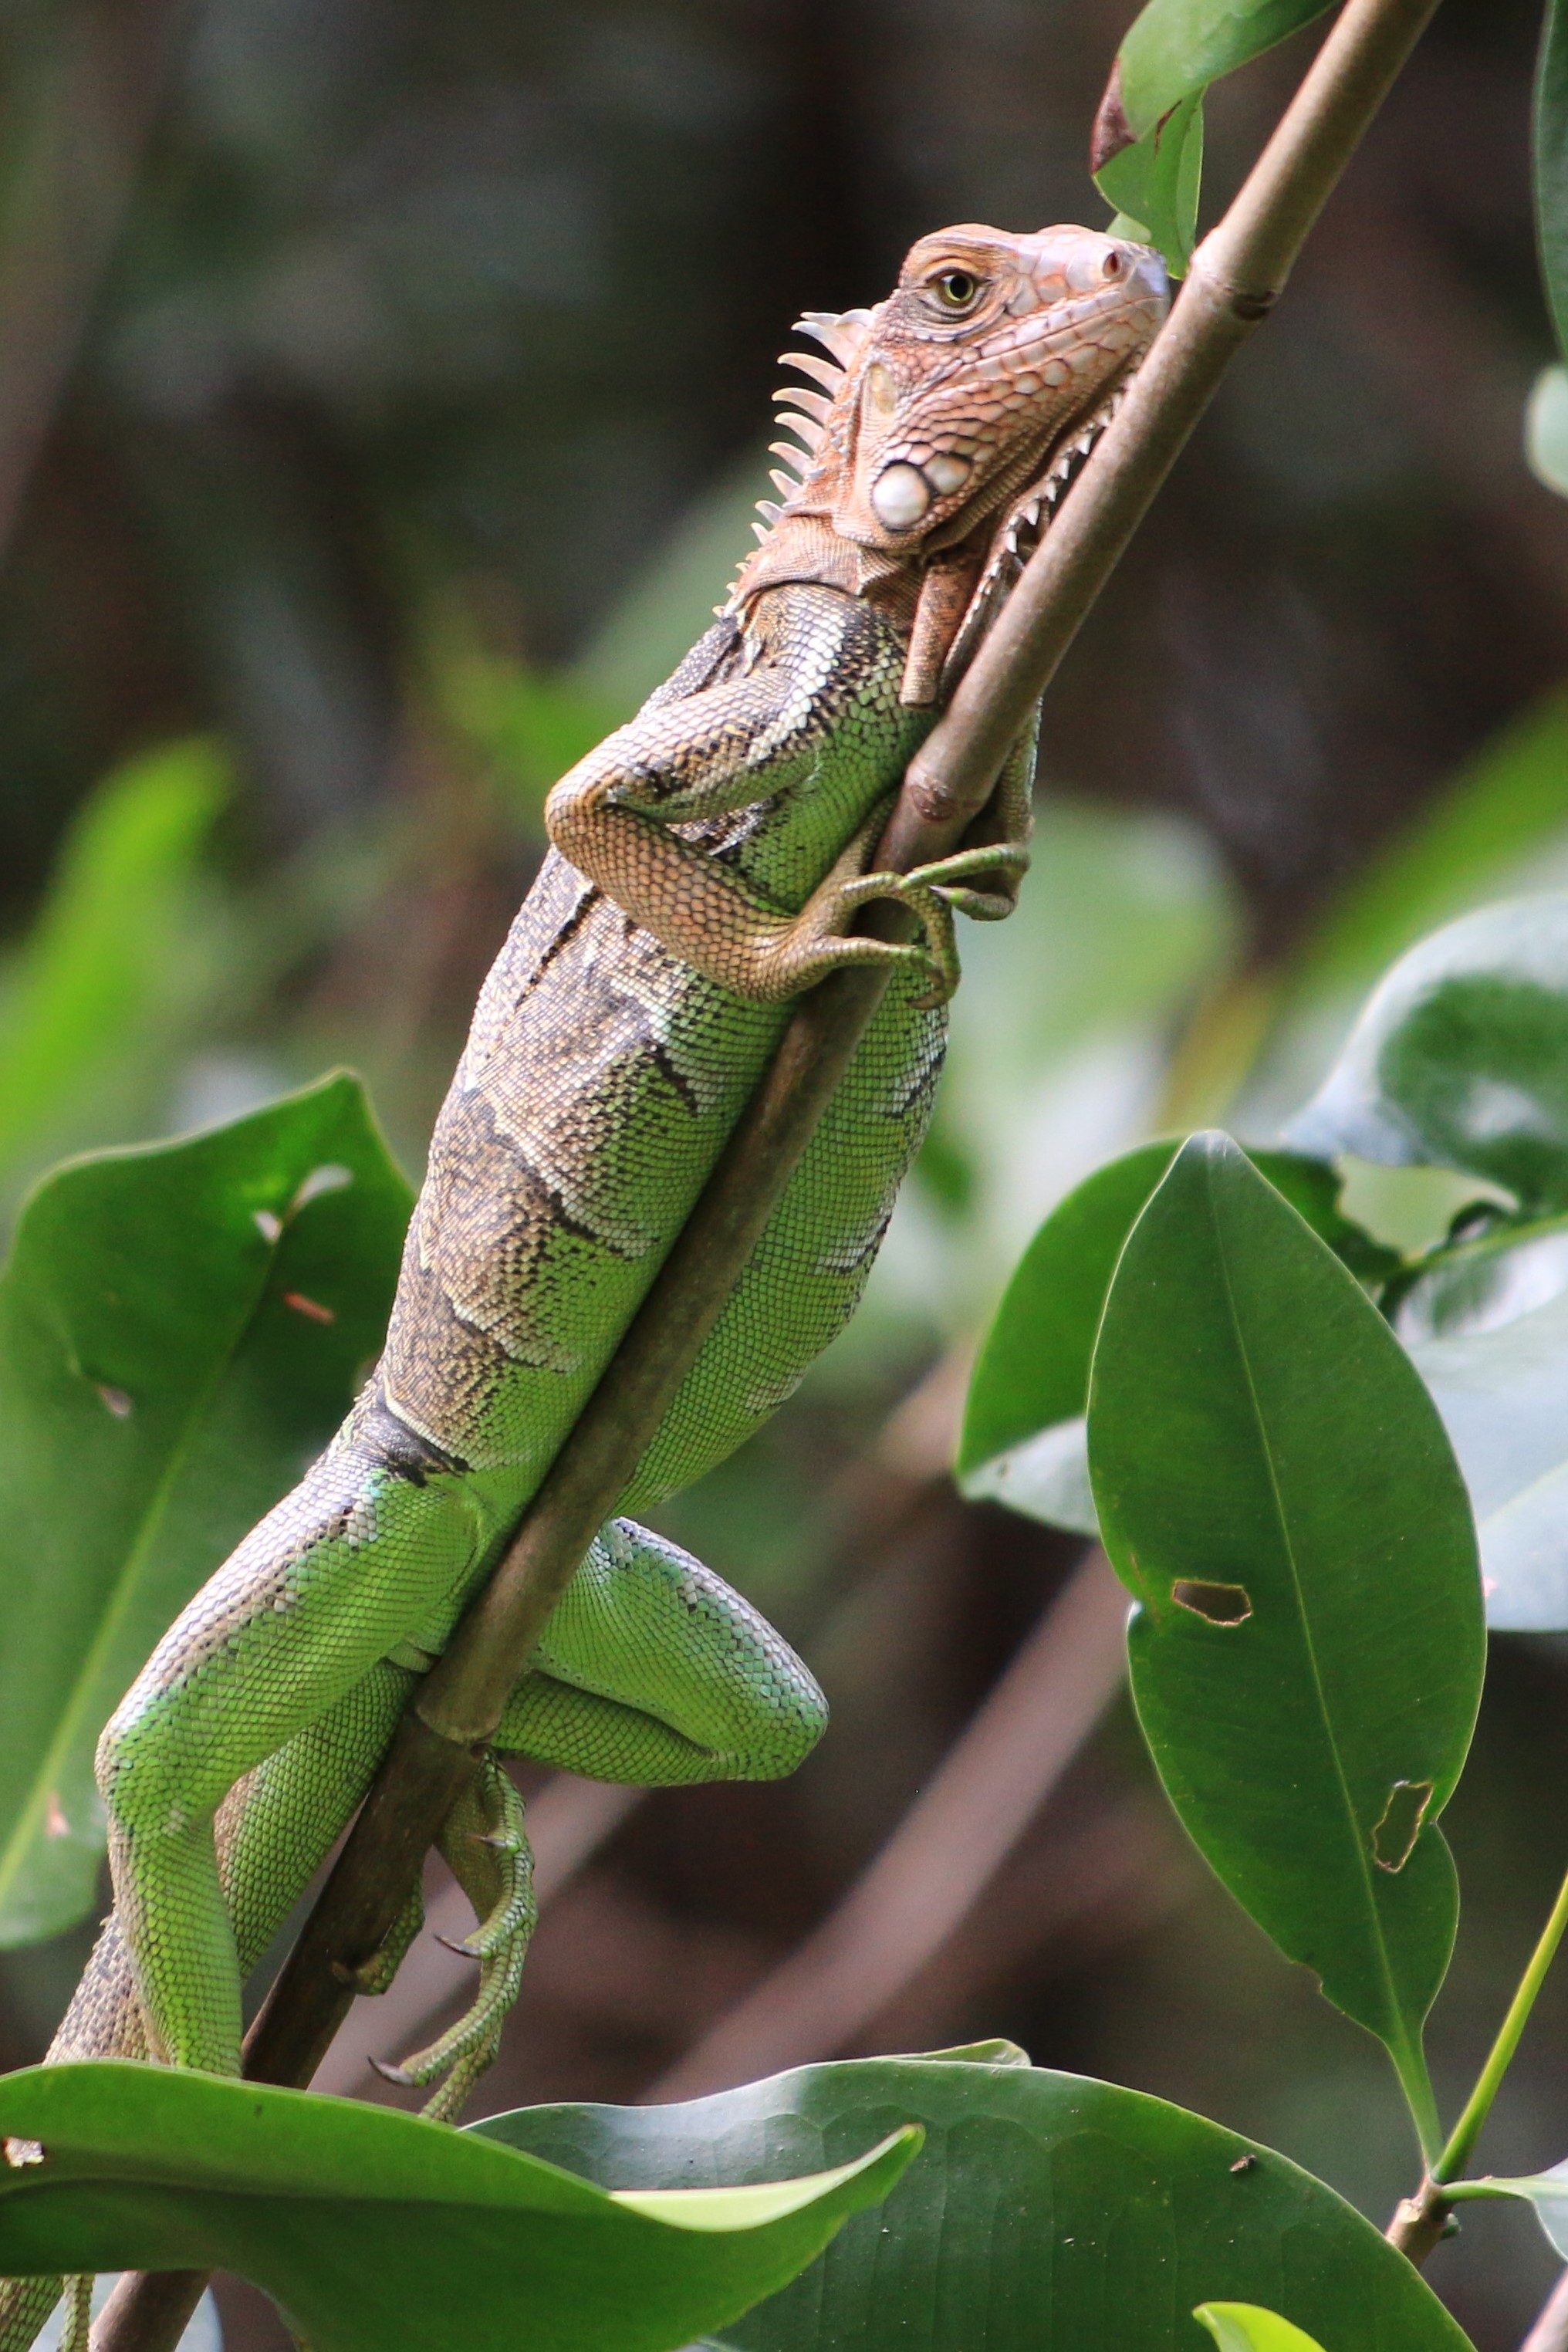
(654, 1672)
(295, 1622)
(651, 1671)
(273, 1831)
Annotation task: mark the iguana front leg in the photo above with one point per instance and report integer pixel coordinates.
(728, 746)
(716, 751)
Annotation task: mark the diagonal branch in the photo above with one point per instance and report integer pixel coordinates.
(1237, 274)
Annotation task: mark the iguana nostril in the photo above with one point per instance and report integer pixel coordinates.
(946, 473)
(900, 497)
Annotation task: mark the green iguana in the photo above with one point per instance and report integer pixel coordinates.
(707, 863)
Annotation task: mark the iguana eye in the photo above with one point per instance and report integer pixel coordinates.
(956, 289)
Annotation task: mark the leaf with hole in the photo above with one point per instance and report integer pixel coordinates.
(1024, 1441)
(376, 2231)
(1258, 1437)
(1044, 2212)
(1459, 1058)
(181, 1329)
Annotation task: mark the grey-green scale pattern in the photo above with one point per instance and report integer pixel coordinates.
(601, 1076)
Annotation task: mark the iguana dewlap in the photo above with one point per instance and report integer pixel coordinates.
(709, 861)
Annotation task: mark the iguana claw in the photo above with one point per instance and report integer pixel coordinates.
(497, 1879)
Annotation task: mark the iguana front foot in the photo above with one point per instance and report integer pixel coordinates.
(932, 892)
(486, 1847)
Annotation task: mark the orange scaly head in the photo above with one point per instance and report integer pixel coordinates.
(946, 417)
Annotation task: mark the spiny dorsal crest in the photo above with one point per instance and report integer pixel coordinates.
(842, 334)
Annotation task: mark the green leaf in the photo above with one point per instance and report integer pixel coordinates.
(1174, 49)
(376, 2231)
(181, 1328)
(105, 960)
(1148, 136)
(1248, 2328)
(1460, 1057)
(1155, 183)
(1276, 1488)
(1547, 2192)
(1024, 1441)
(1044, 2214)
(1550, 162)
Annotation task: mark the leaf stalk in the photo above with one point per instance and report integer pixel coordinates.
(1421, 2220)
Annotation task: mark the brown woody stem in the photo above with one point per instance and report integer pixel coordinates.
(1236, 273)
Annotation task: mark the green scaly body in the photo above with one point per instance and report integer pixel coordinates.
(623, 1027)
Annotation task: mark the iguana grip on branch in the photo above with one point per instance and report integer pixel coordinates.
(707, 863)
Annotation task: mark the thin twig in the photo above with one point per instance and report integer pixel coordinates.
(945, 1851)
(1237, 274)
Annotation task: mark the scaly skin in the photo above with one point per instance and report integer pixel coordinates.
(708, 860)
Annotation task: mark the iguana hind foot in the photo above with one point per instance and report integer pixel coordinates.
(486, 1848)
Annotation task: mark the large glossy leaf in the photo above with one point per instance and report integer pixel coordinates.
(1549, 158)
(378, 2231)
(1044, 2213)
(1023, 1440)
(1276, 1488)
(181, 1327)
(1460, 1058)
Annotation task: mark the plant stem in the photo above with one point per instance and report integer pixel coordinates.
(1420, 2220)
(1237, 275)
(1456, 2155)
(1414, 2081)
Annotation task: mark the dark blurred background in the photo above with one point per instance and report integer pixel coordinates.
(383, 390)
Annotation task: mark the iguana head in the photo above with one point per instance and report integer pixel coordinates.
(992, 365)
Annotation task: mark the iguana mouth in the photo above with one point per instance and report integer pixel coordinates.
(1023, 526)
